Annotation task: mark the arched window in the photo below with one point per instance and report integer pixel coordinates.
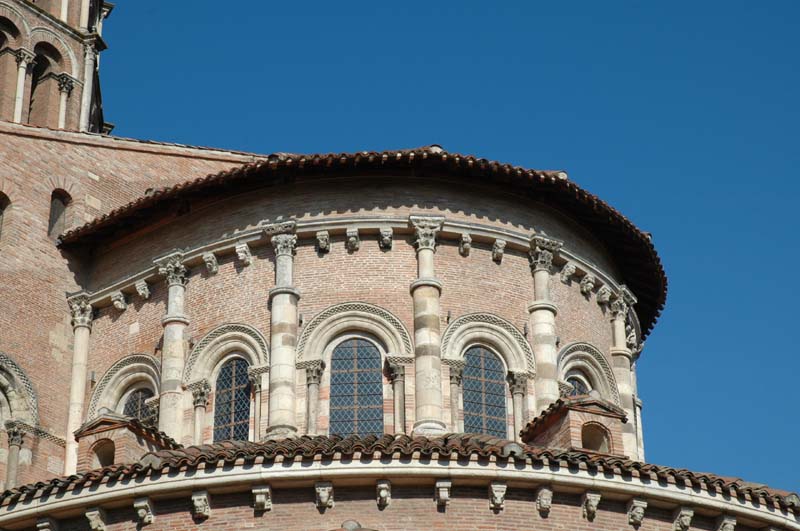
(103, 454)
(136, 406)
(4, 203)
(356, 403)
(580, 383)
(594, 437)
(484, 393)
(44, 101)
(232, 402)
(59, 203)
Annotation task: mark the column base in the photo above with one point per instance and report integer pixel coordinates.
(276, 433)
(429, 428)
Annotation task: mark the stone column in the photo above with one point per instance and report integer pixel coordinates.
(518, 384)
(622, 361)
(200, 395)
(173, 350)
(15, 439)
(65, 86)
(90, 56)
(81, 312)
(456, 378)
(397, 375)
(542, 321)
(24, 61)
(84, 20)
(64, 10)
(256, 383)
(283, 338)
(313, 378)
(425, 292)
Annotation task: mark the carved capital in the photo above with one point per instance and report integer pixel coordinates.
(24, 57)
(567, 272)
(544, 500)
(284, 244)
(619, 310)
(173, 269)
(543, 250)
(425, 229)
(465, 244)
(144, 511)
(262, 498)
(441, 492)
(590, 502)
(323, 241)
(397, 372)
(636, 509)
(281, 227)
(498, 249)
(143, 289)
(243, 253)
(97, 519)
(314, 373)
(65, 83)
(383, 493)
(497, 495)
(201, 393)
(353, 240)
(385, 241)
(16, 436)
(210, 260)
(201, 504)
(517, 383)
(81, 311)
(682, 519)
(324, 492)
(456, 374)
(119, 301)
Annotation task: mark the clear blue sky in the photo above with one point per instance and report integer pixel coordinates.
(683, 115)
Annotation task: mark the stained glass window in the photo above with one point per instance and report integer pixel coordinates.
(356, 404)
(484, 393)
(232, 402)
(135, 406)
(579, 385)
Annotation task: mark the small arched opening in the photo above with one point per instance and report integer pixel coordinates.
(44, 100)
(103, 453)
(5, 202)
(595, 437)
(60, 202)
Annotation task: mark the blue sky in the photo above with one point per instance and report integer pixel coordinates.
(683, 115)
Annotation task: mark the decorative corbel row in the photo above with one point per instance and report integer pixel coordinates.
(590, 502)
(498, 249)
(144, 511)
(497, 495)
(385, 241)
(383, 493)
(567, 272)
(210, 260)
(119, 301)
(262, 498)
(201, 504)
(353, 240)
(244, 254)
(636, 509)
(143, 289)
(544, 500)
(726, 523)
(323, 241)
(465, 244)
(682, 519)
(324, 492)
(441, 492)
(97, 519)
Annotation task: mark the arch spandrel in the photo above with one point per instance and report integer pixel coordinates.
(218, 343)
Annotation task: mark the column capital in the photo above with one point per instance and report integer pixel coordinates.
(172, 268)
(65, 83)
(619, 308)
(517, 382)
(200, 393)
(456, 374)
(284, 244)
(24, 57)
(314, 372)
(81, 310)
(626, 295)
(397, 372)
(16, 435)
(425, 229)
(543, 250)
(254, 375)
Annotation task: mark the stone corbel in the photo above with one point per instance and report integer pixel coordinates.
(143, 289)
(726, 523)
(636, 509)
(588, 282)
(244, 254)
(324, 492)
(212, 266)
(323, 241)
(441, 492)
(567, 272)
(201, 504)
(682, 519)
(590, 502)
(97, 519)
(604, 295)
(497, 495)
(385, 241)
(144, 511)
(465, 244)
(46, 524)
(262, 498)
(498, 249)
(383, 493)
(544, 500)
(118, 300)
(353, 241)
(626, 295)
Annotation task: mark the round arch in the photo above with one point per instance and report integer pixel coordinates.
(40, 34)
(589, 361)
(20, 399)
(492, 331)
(206, 355)
(353, 317)
(10, 13)
(131, 372)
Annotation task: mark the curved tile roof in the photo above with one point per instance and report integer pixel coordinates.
(632, 248)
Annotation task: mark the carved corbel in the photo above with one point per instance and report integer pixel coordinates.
(604, 295)
(544, 500)
(323, 241)
(324, 491)
(143, 289)
(636, 509)
(498, 249)
(441, 492)
(385, 241)
(97, 519)
(262, 498)
(144, 510)
(353, 240)
(682, 519)
(465, 245)
(590, 502)
(588, 282)
(46, 524)
(497, 495)
(201, 504)
(567, 271)
(210, 260)
(244, 254)
(119, 301)
(726, 523)
(383, 493)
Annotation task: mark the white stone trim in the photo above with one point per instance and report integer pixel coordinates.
(129, 373)
(492, 331)
(218, 343)
(590, 361)
(21, 384)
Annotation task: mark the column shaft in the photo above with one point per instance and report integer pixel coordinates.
(88, 86)
(82, 326)
(313, 378)
(15, 439)
(622, 359)
(200, 395)
(64, 10)
(24, 58)
(518, 383)
(456, 376)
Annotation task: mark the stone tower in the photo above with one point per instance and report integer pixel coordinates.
(49, 63)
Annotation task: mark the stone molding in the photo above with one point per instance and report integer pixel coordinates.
(493, 331)
(35, 431)
(588, 359)
(353, 316)
(219, 342)
(120, 377)
(20, 383)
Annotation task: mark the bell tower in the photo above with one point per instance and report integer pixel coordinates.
(49, 63)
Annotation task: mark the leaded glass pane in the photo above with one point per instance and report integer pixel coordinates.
(232, 402)
(356, 402)
(484, 392)
(135, 406)
(578, 387)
